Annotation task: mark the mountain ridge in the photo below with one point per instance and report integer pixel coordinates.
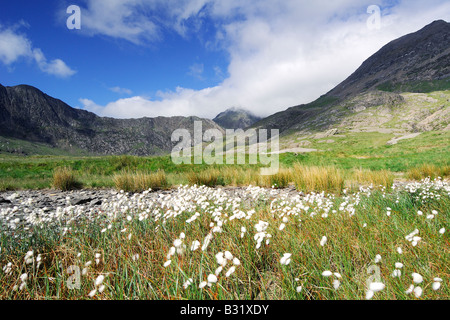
(27, 113)
(432, 49)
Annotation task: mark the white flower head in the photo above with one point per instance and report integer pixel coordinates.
(417, 278)
(327, 273)
(376, 286)
(286, 259)
(323, 241)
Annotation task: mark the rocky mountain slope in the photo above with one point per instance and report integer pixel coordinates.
(235, 118)
(380, 93)
(28, 114)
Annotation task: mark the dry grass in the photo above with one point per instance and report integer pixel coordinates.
(278, 180)
(64, 179)
(318, 179)
(428, 170)
(208, 177)
(383, 178)
(140, 181)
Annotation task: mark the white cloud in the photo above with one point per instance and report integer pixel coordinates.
(14, 46)
(282, 53)
(196, 70)
(120, 90)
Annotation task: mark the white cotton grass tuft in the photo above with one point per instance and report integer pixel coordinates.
(327, 273)
(299, 289)
(376, 286)
(323, 241)
(230, 271)
(417, 278)
(410, 289)
(336, 284)
(418, 292)
(167, 263)
(212, 278)
(99, 280)
(286, 259)
(369, 294)
(377, 258)
(195, 245)
(188, 283)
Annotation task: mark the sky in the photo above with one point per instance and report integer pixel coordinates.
(150, 58)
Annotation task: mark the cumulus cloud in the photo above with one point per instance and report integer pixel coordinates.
(282, 53)
(14, 46)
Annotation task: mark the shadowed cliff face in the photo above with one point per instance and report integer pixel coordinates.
(418, 62)
(27, 113)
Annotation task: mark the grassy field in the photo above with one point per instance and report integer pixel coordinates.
(354, 234)
(350, 155)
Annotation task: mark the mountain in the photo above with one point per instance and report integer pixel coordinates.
(379, 89)
(235, 118)
(28, 114)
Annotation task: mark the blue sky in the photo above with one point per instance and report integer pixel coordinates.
(135, 58)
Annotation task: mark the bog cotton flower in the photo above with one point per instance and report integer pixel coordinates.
(417, 278)
(418, 292)
(327, 273)
(323, 241)
(376, 286)
(212, 278)
(230, 271)
(99, 280)
(195, 245)
(286, 259)
(167, 263)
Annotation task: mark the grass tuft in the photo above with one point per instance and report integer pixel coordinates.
(64, 179)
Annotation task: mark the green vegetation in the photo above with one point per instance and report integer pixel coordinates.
(353, 151)
(416, 86)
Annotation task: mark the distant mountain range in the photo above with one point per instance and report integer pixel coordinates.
(418, 62)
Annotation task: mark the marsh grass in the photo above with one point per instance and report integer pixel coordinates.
(379, 178)
(353, 243)
(64, 179)
(428, 170)
(209, 177)
(318, 179)
(139, 181)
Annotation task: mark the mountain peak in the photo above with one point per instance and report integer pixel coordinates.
(420, 56)
(236, 118)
